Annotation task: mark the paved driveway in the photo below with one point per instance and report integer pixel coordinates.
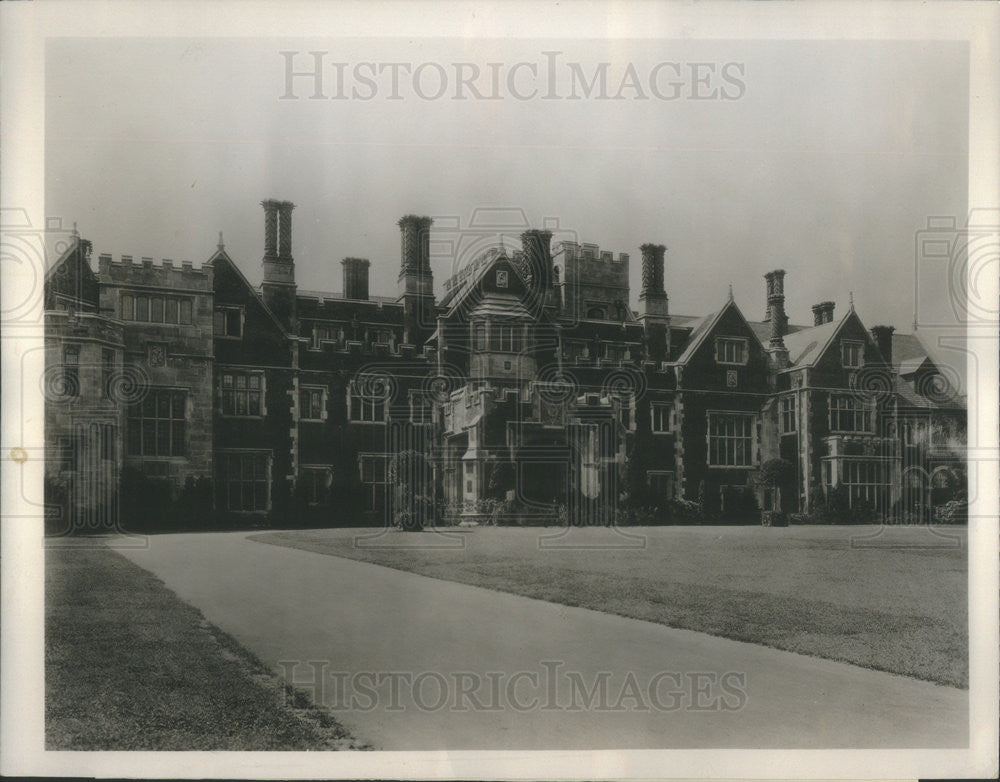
(410, 662)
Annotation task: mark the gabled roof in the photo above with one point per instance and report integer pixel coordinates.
(474, 272)
(500, 305)
(911, 366)
(762, 329)
(222, 255)
(807, 345)
(456, 296)
(71, 277)
(706, 326)
(909, 396)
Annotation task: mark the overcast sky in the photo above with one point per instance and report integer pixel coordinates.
(824, 159)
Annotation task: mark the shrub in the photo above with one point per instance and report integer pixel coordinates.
(952, 512)
(685, 511)
(193, 508)
(502, 480)
(146, 504)
(410, 475)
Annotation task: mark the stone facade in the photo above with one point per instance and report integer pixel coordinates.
(530, 380)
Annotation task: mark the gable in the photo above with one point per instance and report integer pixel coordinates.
(495, 282)
(727, 322)
(706, 369)
(829, 360)
(263, 337)
(72, 280)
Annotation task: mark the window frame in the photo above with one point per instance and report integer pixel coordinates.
(227, 310)
(246, 390)
(479, 335)
(787, 414)
(325, 470)
(224, 458)
(856, 408)
(139, 425)
(360, 403)
(749, 441)
(422, 402)
(182, 306)
(671, 480)
(71, 369)
(660, 407)
(506, 338)
(720, 346)
(311, 389)
(865, 479)
(852, 344)
(371, 495)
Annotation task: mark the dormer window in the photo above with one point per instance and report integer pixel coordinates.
(850, 354)
(597, 313)
(731, 350)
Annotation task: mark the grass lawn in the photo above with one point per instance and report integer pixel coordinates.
(897, 604)
(129, 666)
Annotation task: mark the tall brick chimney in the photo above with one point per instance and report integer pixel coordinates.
(655, 314)
(415, 239)
(776, 351)
(356, 278)
(538, 255)
(278, 288)
(653, 295)
(883, 339)
(416, 282)
(776, 306)
(822, 313)
(285, 230)
(270, 229)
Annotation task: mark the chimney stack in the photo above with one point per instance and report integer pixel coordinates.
(416, 283)
(270, 229)
(278, 287)
(776, 306)
(285, 230)
(415, 244)
(356, 278)
(883, 339)
(653, 295)
(536, 246)
(822, 313)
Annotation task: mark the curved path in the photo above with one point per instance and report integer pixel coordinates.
(410, 662)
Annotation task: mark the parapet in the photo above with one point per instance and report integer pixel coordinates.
(586, 251)
(148, 272)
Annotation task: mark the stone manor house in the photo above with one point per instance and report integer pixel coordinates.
(527, 376)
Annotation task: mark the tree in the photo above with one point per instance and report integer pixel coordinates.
(772, 475)
(501, 480)
(411, 478)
